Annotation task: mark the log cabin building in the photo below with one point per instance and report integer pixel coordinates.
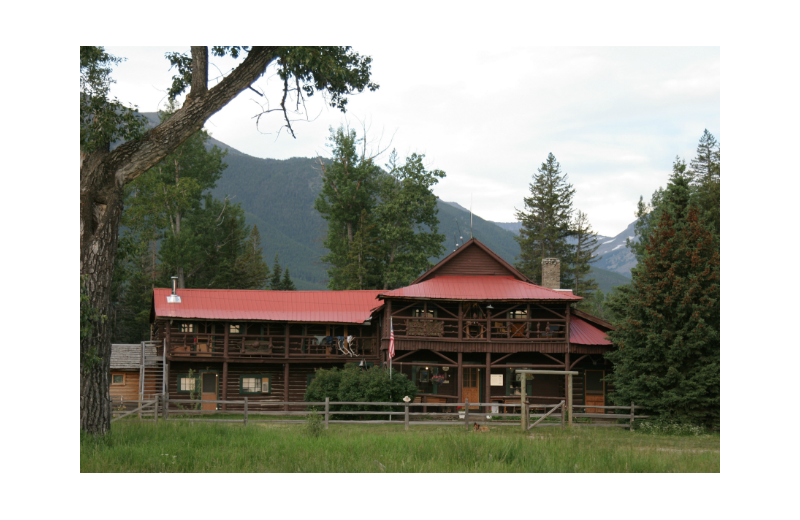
(462, 329)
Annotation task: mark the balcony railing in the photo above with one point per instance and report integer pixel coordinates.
(193, 345)
(471, 329)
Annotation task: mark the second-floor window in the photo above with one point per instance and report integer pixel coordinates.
(187, 327)
(420, 313)
(235, 328)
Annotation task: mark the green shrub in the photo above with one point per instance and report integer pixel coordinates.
(666, 428)
(352, 384)
(314, 425)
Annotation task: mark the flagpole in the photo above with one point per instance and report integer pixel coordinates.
(391, 328)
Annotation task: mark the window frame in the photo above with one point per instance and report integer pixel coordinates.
(113, 375)
(186, 376)
(268, 377)
(241, 327)
(190, 325)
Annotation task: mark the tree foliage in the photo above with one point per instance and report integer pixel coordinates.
(668, 320)
(583, 255)
(352, 384)
(382, 227)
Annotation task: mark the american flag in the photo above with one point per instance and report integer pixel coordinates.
(391, 340)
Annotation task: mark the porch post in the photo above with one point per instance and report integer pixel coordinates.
(460, 377)
(225, 383)
(286, 386)
(488, 380)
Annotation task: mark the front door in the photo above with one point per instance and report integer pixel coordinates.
(595, 390)
(470, 388)
(208, 389)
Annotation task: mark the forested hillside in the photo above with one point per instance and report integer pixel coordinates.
(278, 196)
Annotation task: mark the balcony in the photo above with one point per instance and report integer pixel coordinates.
(243, 347)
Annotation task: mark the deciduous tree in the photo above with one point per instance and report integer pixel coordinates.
(104, 172)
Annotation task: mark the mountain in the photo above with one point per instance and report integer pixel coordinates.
(278, 197)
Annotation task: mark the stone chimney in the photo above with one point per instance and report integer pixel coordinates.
(551, 273)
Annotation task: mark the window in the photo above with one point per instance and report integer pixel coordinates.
(235, 328)
(117, 379)
(518, 315)
(420, 313)
(187, 327)
(254, 384)
(186, 384)
(594, 382)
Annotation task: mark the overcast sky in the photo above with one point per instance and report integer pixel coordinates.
(615, 118)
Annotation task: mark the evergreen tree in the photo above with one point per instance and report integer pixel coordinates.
(275, 280)
(545, 221)
(407, 221)
(705, 171)
(286, 282)
(255, 272)
(583, 254)
(668, 319)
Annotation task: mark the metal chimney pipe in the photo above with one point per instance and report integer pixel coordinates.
(174, 284)
(174, 298)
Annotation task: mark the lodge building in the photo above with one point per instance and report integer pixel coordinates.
(462, 329)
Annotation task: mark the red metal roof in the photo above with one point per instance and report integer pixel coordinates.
(478, 288)
(300, 306)
(584, 333)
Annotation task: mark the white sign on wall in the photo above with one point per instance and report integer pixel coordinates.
(497, 379)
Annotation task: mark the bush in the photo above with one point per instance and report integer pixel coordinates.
(353, 385)
(314, 425)
(666, 428)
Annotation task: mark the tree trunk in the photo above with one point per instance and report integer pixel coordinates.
(101, 209)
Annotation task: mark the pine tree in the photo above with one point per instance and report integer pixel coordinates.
(668, 319)
(275, 280)
(545, 221)
(286, 282)
(583, 254)
(705, 173)
(251, 265)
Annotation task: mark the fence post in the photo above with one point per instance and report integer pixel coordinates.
(166, 406)
(155, 410)
(630, 428)
(406, 416)
(563, 414)
(327, 410)
(466, 413)
(569, 398)
(245, 411)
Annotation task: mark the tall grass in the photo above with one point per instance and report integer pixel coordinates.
(181, 447)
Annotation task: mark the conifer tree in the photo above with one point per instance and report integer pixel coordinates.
(668, 319)
(275, 280)
(545, 221)
(254, 271)
(583, 254)
(286, 282)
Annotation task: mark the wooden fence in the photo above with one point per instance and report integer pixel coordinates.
(175, 410)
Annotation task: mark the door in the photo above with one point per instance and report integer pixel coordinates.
(208, 382)
(595, 390)
(470, 387)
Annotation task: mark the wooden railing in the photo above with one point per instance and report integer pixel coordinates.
(480, 329)
(193, 345)
(176, 409)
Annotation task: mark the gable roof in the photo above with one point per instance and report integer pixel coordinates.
(597, 322)
(478, 288)
(296, 306)
(472, 259)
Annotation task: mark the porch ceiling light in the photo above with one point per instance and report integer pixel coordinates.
(489, 306)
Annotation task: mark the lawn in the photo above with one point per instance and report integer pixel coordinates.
(142, 446)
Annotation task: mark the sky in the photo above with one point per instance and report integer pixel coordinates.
(614, 117)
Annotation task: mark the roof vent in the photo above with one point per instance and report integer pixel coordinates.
(564, 290)
(174, 298)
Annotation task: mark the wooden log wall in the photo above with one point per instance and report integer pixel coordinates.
(130, 390)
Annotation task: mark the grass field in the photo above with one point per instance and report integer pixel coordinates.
(138, 446)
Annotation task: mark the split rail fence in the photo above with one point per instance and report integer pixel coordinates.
(175, 410)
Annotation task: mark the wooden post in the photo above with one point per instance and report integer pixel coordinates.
(286, 386)
(245, 411)
(155, 410)
(466, 413)
(569, 398)
(563, 413)
(166, 406)
(225, 381)
(488, 378)
(225, 341)
(524, 402)
(460, 332)
(406, 417)
(327, 411)
(631, 426)
(460, 377)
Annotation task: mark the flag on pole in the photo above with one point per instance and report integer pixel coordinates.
(391, 340)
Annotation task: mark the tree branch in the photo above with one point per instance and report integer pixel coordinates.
(133, 158)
